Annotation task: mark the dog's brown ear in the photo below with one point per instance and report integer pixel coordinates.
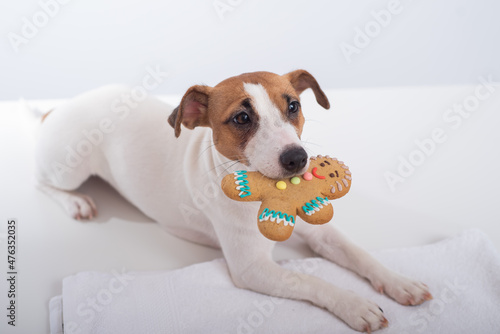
(301, 80)
(192, 111)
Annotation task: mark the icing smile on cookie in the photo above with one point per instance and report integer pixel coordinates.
(315, 173)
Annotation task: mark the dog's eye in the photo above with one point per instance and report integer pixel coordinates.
(293, 107)
(242, 118)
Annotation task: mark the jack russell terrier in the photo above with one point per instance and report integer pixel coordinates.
(251, 121)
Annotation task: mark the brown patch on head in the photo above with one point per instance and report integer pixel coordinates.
(282, 94)
(219, 107)
(193, 109)
(229, 102)
(302, 80)
(45, 116)
(229, 98)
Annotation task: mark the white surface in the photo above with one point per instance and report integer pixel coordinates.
(463, 272)
(91, 43)
(456, 187)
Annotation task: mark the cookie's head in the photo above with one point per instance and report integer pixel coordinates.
(256, 118)
(332, 177)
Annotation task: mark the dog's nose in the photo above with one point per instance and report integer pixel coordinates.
(293, 159)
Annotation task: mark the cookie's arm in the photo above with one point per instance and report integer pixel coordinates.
(241, 186)
(316, 210)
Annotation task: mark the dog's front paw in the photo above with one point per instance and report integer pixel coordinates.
(402, 289)
(360, 314)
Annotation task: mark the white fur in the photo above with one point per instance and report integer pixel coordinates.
(177, 183)
(273, 135)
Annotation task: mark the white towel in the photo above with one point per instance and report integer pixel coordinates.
(463, 274)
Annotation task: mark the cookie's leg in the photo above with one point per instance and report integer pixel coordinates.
(248, 255)
(328, 242)
(276, 221)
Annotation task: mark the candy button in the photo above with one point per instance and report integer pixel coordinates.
(281, 185)
(307, 176)
(295, 180)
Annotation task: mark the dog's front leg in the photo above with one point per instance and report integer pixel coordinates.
(248, 255)
(328, 242)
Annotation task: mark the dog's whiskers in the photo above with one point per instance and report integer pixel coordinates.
(309, 151)
(204, 150)
(219, 165)
(310, 143)
(312, 120)
(226, 169)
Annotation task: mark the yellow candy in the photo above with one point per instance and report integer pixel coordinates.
(281, 185)
(295, 180)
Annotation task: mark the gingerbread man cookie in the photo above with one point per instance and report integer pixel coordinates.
(307, 195)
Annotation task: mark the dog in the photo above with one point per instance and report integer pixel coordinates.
(252, 121)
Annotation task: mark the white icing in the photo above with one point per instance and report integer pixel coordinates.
(277, 219)
(344, 181)
(339, 185)
(239, 187)
(321, 205)
(348, 177)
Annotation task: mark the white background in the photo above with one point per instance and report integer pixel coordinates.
(391, 94)
(90, 43)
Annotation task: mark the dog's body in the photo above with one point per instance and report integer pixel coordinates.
(255, 122)
(139, 156)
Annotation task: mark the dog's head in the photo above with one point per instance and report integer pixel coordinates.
(256, 118)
